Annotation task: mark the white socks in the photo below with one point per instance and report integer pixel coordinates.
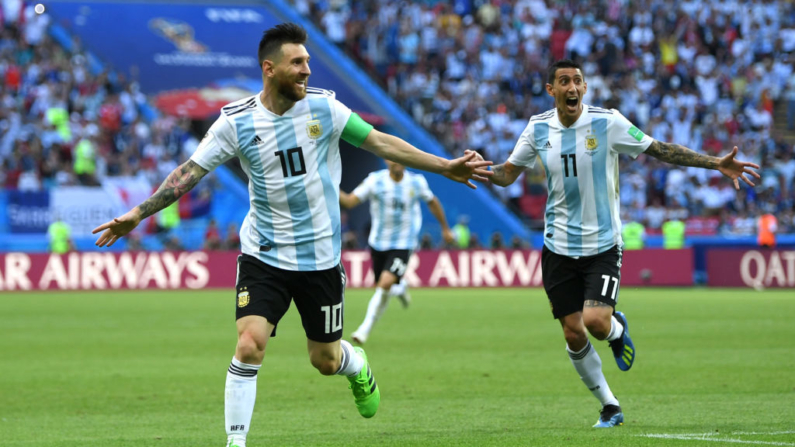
(589, 367)
(616, 329)
(375, 309)
(241, 393)
(351, 363)
(398, 288)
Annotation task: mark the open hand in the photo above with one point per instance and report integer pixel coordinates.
(736, 170)
(470, 166)
(117, 228)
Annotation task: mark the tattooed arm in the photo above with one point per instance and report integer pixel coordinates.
(505, 174)
(682, 156)
(179, 182)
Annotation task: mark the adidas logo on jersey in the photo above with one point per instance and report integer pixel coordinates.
(547, 146)
(257, 140)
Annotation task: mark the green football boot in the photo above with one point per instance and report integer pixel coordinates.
(365, 390)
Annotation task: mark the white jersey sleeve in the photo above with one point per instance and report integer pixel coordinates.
(217, 146)
(524, 153)
(365, 189)
(625, 138)
(425, 192)
(341, 114)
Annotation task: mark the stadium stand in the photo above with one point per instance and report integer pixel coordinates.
(708, 76)
(471, 73)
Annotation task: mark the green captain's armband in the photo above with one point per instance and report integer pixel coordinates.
(356, 130)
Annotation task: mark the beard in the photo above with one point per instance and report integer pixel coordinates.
(289, 89)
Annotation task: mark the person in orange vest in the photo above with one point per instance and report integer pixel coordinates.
(767, 226)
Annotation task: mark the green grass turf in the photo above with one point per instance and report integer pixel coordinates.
(471, 367)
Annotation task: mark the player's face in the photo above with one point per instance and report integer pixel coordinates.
(291, 72)
(395, 169)
(568, 89)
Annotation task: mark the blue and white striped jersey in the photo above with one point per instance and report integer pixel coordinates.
(294, 169)
(581, 163)
(394, 208)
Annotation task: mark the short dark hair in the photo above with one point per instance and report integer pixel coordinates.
(273, 39)
(563, 63)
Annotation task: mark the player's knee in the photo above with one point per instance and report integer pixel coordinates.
(575, 339)
(598, 327)
(326, 365)
(250, 348)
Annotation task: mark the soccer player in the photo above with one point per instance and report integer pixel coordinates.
(578, 146)
(394, 196)
(287, 139)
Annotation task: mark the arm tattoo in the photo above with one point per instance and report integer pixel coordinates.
(680, 155)
(499, 175)
(180, 181)
(594, 303)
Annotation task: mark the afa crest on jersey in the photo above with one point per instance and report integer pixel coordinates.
(243, 298)
(591, 142)
(314, 129)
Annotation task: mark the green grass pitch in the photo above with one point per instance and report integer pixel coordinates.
(477, 367)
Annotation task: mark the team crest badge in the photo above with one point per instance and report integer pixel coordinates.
(314, 129)
(591, 142)
(242, 298)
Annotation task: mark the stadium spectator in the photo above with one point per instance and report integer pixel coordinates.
(673, 232)
(463, 236)
(349, 239)
(394, 196)
(767, 227)
(496, 241)
(212, 236)
(517, 243)
(60, 235)
(232, 241)
(426, 242)
(633, 233)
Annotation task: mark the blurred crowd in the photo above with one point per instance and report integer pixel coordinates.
(62, 123)
(707, 75)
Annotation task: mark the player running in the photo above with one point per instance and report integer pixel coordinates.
(578, 146)
(287, 140)
(394, 196)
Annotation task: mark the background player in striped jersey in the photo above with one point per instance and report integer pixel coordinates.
(394, 196)
(578, 146)
(287, 140)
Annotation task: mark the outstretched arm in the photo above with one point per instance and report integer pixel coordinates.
(462, 169)
(435, 206)
(179, 182)
(348, 201)
(682, 156)
(505, 174)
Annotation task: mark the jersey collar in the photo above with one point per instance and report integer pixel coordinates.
(581, 119)
(289, 113)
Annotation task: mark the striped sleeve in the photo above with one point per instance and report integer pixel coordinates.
(218, 145)
(365, 188)
(625, 138)
(524, 153)
(425, 192)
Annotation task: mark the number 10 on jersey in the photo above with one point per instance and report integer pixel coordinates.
(294, 158)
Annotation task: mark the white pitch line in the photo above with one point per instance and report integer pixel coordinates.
(788, 432)
(708, 438)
